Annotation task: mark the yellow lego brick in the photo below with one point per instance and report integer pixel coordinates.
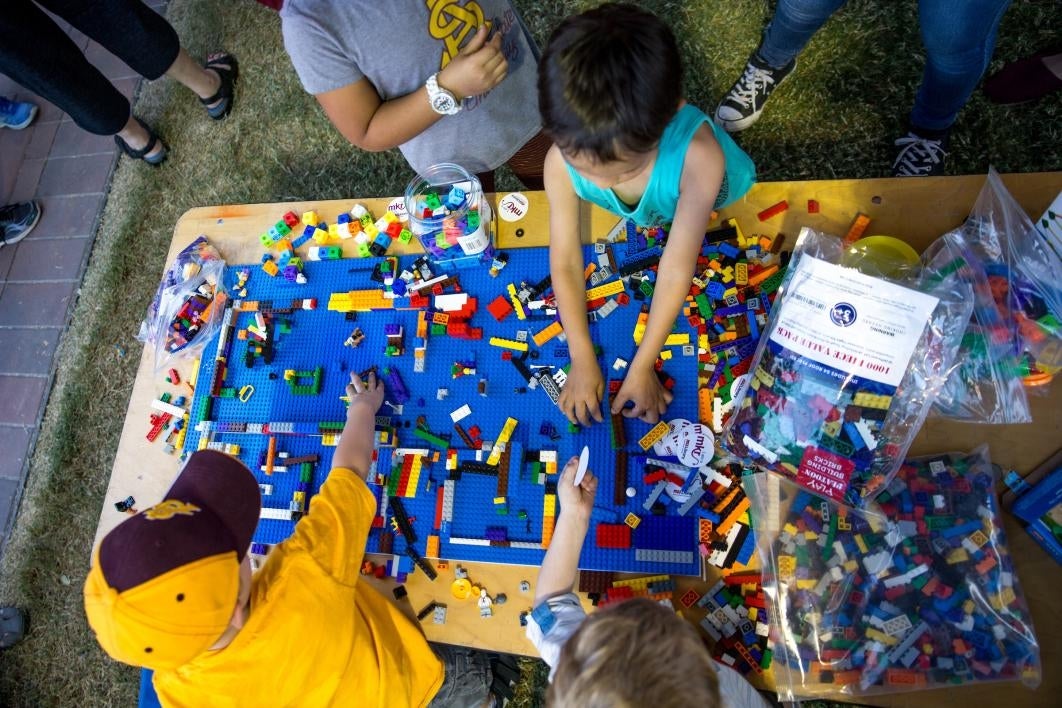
(786, 567)
(551, 468)
(299, 497)
(632, 520)
(958, 555)
(655, 433)
(507, 429)
(329, 439)
(806, 584)
(677, 339)
(880, 636)
(741, 273)
(359, 301)
(665, 355)
(549, 505)
(737, 228)
(518, 307)
(861, 543)
(609, 288)
(851, 565)
(509, 344)
(547, 333)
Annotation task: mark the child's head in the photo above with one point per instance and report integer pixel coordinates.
(174, 580)
(638, 653)
(609, 82)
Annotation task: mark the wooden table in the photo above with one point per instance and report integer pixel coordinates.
(917, 210)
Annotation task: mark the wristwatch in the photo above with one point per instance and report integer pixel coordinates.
(442, 101)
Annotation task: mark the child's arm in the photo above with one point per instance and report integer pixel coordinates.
(557, 575)
(580, 399)
(357, 111)
(355, 444)
(702, 175)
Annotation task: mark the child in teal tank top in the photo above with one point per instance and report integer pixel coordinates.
(610, 93)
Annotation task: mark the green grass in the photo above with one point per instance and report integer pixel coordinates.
(836, 117)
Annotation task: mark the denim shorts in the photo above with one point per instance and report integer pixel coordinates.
(467, 677)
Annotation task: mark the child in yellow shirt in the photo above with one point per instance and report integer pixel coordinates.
(171, 589)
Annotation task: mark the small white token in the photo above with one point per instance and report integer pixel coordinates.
(512, 207)
(584, 460)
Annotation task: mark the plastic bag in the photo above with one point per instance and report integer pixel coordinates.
(1029, 278)
(986, 385)
(915, 591)
(846, 371)
(187, 308)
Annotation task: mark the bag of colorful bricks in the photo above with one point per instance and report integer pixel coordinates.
(986, 385)
(187, 308)
(1028, 279)
(847, 370)
(916, 591)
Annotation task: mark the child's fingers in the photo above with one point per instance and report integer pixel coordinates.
(477, 41)
(568, 473)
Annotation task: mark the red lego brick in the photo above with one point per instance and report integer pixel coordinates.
(773, 210)
(613, 536)
(813, 206)
(500, 308)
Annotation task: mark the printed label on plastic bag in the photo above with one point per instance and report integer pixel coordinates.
(852, 322)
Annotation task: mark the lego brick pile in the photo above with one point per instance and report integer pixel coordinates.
(914, 592)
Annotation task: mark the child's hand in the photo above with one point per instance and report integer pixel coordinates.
(478, 67)
(644, 390)
(580, 399)
(576, 500)
(368, 394)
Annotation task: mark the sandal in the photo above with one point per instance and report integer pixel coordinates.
(228, 70)
(142, 154)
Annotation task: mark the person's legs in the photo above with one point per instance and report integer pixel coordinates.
(41, 57)
(794, 24)
(141, 38)
(959, 37)
(467, 678)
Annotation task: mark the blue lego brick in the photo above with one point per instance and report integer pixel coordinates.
(316, 339)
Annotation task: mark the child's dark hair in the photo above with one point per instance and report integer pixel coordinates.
(609, 82)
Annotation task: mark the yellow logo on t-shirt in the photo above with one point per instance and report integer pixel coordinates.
(170, 508)
(451, 22)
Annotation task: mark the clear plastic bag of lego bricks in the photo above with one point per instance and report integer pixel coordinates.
(1029, 278)
(187, 308)
(847, 370)
(916, 591)
(986, 385)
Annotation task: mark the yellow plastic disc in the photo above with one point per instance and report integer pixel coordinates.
(880, 255)
(461, 589)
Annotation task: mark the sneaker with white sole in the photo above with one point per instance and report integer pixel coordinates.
(744, 102)
(16, 114)
(17, 220)
(920, 155)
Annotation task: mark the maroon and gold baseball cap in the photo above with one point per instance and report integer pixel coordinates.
(164, 583)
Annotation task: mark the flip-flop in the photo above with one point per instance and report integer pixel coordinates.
(142, 154)
(228, 69)
(12, 626)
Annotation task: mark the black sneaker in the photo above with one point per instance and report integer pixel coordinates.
(17, 220)
(744, 102)
(920, 155)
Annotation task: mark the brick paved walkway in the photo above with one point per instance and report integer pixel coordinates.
(68, 170)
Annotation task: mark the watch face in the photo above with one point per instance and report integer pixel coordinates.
(443, 103)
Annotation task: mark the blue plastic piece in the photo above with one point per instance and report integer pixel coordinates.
(316, 339)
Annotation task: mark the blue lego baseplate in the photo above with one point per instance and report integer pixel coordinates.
(663, 540)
